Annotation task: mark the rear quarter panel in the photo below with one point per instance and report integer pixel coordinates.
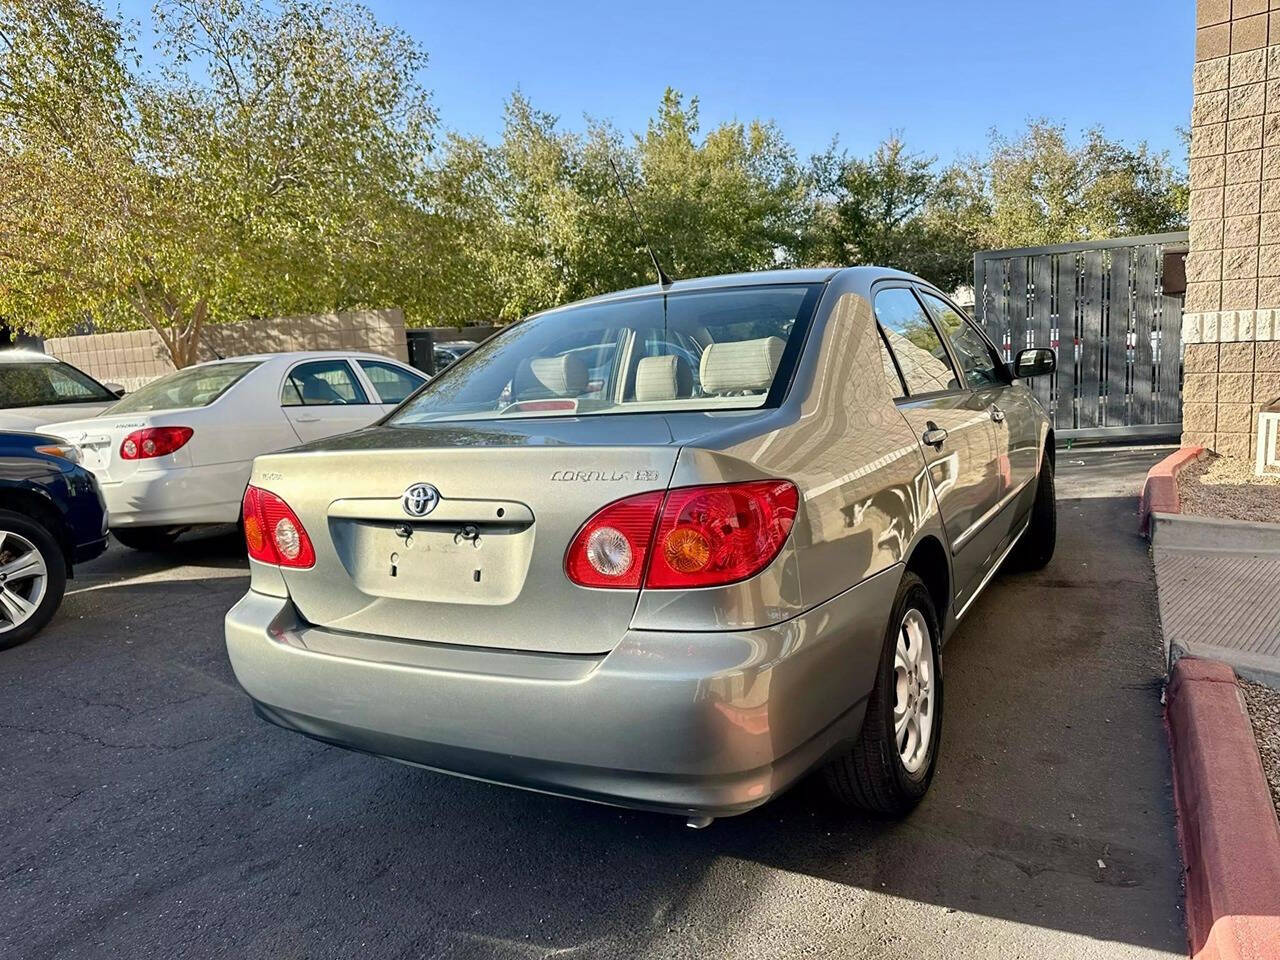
(865, 498)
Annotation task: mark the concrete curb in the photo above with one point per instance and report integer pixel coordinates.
(1177, 531)
(1226, 823)
(1160, 492)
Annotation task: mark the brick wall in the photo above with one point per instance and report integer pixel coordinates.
(1231, 323)
(135, 357)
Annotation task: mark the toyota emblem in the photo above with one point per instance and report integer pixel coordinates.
(420, 499)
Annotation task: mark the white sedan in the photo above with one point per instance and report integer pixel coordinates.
(177, 452)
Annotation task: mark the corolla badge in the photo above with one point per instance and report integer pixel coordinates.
(420, 499)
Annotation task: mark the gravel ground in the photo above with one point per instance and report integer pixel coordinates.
(1226, 487)
(1264, 712)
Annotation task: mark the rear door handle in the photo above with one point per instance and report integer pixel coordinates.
(306, 419)
(934, 436)
(997, 414)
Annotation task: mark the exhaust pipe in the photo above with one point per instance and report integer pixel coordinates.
(698, 823)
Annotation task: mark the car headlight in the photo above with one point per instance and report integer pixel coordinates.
(64, 450)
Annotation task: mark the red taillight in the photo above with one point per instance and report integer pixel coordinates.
(611, 548)
(154, 442)
(272, 531)
(703, 536)
(710, 536)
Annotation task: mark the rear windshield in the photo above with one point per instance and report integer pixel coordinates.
(728, 349)
(40, 383)
(193, 387)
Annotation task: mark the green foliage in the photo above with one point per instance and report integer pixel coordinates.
(1040, 188)
(896, 208)
(284, 159)
(270, 168)
(67, 141)
(891, 209)
(541, 218)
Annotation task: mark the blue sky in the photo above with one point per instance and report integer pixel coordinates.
(942, 71)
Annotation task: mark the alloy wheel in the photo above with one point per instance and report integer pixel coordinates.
(913, 691)
(24, 578)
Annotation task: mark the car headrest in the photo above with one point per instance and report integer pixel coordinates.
(744, 365)
(663, 378)
(314, 390)
(564, 376)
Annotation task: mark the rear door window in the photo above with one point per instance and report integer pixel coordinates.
(320, 383)
(915, 342)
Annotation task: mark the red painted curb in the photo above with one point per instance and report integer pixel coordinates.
(1226, 823)
(1160, 492)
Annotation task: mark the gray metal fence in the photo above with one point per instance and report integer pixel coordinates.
(1104, 307)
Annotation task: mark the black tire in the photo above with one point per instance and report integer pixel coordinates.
(1035, 549)
(147, 538)
(55, 562)
(872, 776)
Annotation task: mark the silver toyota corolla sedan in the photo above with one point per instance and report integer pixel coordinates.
(670, 548)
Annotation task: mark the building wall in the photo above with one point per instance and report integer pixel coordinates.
(135, 357)
(1231, 327)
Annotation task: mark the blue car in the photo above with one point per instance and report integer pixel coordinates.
(51, 516)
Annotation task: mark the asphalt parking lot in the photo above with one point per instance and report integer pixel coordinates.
(145, 812)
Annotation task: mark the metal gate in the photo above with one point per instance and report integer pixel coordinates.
(1112, 309)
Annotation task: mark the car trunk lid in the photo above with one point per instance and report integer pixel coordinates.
(484, 565)
(99, 438)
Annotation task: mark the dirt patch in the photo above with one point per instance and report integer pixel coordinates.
(1264, 713)
(1226, 487)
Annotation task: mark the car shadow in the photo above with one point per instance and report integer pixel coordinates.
(211, 548)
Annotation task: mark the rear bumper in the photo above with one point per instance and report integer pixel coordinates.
(87, 551)
(708, 723)
(178, 496)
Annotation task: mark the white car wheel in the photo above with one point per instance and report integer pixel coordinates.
(913, 691)
(24, 580)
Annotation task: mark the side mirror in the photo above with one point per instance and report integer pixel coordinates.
(115, 388)
(1034, 362)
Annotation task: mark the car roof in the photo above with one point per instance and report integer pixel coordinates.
(23, 355)
(760, 278)
(295, 355)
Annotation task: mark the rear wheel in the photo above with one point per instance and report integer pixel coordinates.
(889, 768)
(33, 576)
(1035, 549)
(147, 538)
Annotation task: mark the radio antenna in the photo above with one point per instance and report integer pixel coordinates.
(664, 281)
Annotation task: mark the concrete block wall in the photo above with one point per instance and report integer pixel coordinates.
(1231, 323)
(136, 357)
(1230, 383)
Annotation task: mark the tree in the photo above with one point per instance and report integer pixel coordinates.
(733, 202)
(545, 223)
(68, 179)
(273, 166)
(1040, 188)
(891, 209)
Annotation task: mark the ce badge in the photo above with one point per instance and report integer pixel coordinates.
(420, 499)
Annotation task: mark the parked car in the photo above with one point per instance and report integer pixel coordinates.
(176, 453)
(672, 593)
(37, 389)
(51, 516)
(450, 352)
